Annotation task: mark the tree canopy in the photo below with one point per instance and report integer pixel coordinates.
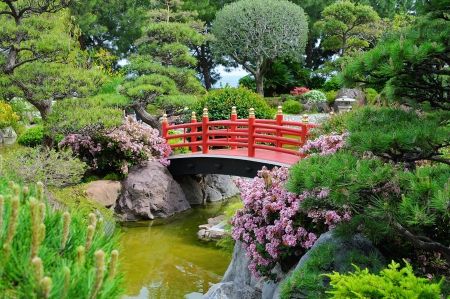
(256, 32)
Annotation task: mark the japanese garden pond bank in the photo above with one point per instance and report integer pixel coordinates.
(164, 259)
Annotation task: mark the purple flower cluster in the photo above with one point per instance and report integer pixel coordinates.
(269, 225)
(324, 144)
(124, 146)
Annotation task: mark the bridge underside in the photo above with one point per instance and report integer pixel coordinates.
(220, 164)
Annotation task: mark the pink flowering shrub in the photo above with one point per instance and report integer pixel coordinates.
(270, 224)
(299, 91)
(119, 148)
(324, 144)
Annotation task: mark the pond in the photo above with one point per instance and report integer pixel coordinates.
(164, 259)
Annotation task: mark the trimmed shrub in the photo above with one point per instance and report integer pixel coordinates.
(332, 84)
(314, 96)
(391, 283)
(32, 137)
(53, 168)
(273, 102)
(371, 96)
(292, 107)
(119, 148)
(220, 101)
(53, 254)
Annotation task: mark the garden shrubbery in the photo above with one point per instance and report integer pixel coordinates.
(220, 101)
(119, 148)
(32, 137)
(292, 107)
(7, 116)
(314, 97)
(53, 254)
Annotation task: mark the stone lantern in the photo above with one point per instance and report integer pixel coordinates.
(344, 104)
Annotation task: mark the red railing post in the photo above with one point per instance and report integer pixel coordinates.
(165, 128)
(279, 119)
(205, 120)
(233, 117)
(251, 132)
(193, 130)
(305, 127)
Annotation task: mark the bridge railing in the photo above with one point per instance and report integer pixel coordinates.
(268, 134)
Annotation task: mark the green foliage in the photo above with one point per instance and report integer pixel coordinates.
(331, 96)
(248, 82)
(397, 134)
(226, 244)
(256, 47)
(309, 280)
(292, 107)
(7, 115)
(70, 117)
(371, 96)
(50, 254)
(274, 102)
(390, 283)
(397, 62)
(220, 101)
(314, 96)
(332, 84)
(348, 27)
(32, 137)
(53, 168)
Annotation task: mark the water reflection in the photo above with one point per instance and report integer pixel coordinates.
(164, 259)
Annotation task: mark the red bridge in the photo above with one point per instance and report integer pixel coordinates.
(236, 146)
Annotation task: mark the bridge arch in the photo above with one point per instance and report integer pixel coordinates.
(238, 147)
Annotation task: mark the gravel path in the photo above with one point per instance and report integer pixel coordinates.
(313, 118)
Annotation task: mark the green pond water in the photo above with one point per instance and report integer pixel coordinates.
(164, 259)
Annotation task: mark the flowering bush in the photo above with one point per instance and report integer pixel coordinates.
(314, 96)
(7, 115)
(324, 144)
(124, 146)
(270, 224)
(299, 91)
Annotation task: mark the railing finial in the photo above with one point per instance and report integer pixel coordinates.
(164, 119)
(193, 117)
(233, 110)
(305, 119)
(280, 110)
(205, 112)
(251, 113)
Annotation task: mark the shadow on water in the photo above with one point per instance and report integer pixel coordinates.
(164, 259)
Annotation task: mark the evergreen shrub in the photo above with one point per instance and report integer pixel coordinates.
(292, 107)
(53, 254)
(332, 84)
(220, 101)
(371, 96)
(390, 283)
(331, 96)
(32, 137)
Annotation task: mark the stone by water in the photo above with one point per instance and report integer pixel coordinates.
(164, 259)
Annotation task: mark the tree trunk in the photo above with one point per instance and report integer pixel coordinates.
(151, 120)
(45, 109)
(206, 72)
(309, 53)
(259, 84)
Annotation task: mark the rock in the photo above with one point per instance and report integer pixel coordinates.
(218, 187)
(190, 184)
(214, 230)
(230, 290)
(104, 192)
(341, 256)
(238, 271)
(149, 191)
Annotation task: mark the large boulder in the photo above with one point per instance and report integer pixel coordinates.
(104, 192)
(207, 188)
(148, 192)
(218, 187)
(230, 290)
